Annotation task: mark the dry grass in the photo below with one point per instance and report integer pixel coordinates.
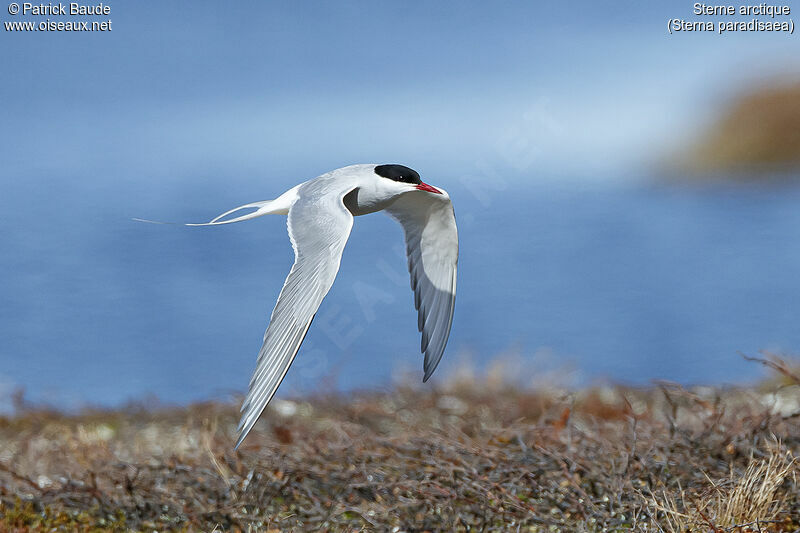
(466, 457)
(751, 501)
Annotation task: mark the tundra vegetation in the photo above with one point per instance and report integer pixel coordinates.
(470, 455)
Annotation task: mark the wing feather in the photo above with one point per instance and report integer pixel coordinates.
(429, 225)
(319, 225)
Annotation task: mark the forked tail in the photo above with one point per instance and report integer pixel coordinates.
(278, 206)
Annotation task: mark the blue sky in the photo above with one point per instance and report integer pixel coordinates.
(581, 88)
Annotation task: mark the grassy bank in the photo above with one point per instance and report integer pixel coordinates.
(470, 456)
(756, 135)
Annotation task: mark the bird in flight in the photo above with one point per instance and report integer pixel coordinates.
(320, 217)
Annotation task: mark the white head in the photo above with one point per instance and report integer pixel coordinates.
(381, 185)
(409, 178)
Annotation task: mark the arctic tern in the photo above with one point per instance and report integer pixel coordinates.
(320, 217)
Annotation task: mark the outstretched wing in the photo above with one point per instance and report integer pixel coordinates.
(319, 225)
(429, 224)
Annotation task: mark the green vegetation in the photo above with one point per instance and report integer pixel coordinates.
(464, 457)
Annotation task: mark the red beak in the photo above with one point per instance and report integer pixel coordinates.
(426, 187)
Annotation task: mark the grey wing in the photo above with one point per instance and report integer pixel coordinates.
(429, 224)
(319, 225)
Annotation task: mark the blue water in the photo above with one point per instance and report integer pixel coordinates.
(630, 282)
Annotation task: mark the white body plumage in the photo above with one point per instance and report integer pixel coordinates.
(320, 217)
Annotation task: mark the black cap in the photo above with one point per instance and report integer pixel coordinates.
(398, 173)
